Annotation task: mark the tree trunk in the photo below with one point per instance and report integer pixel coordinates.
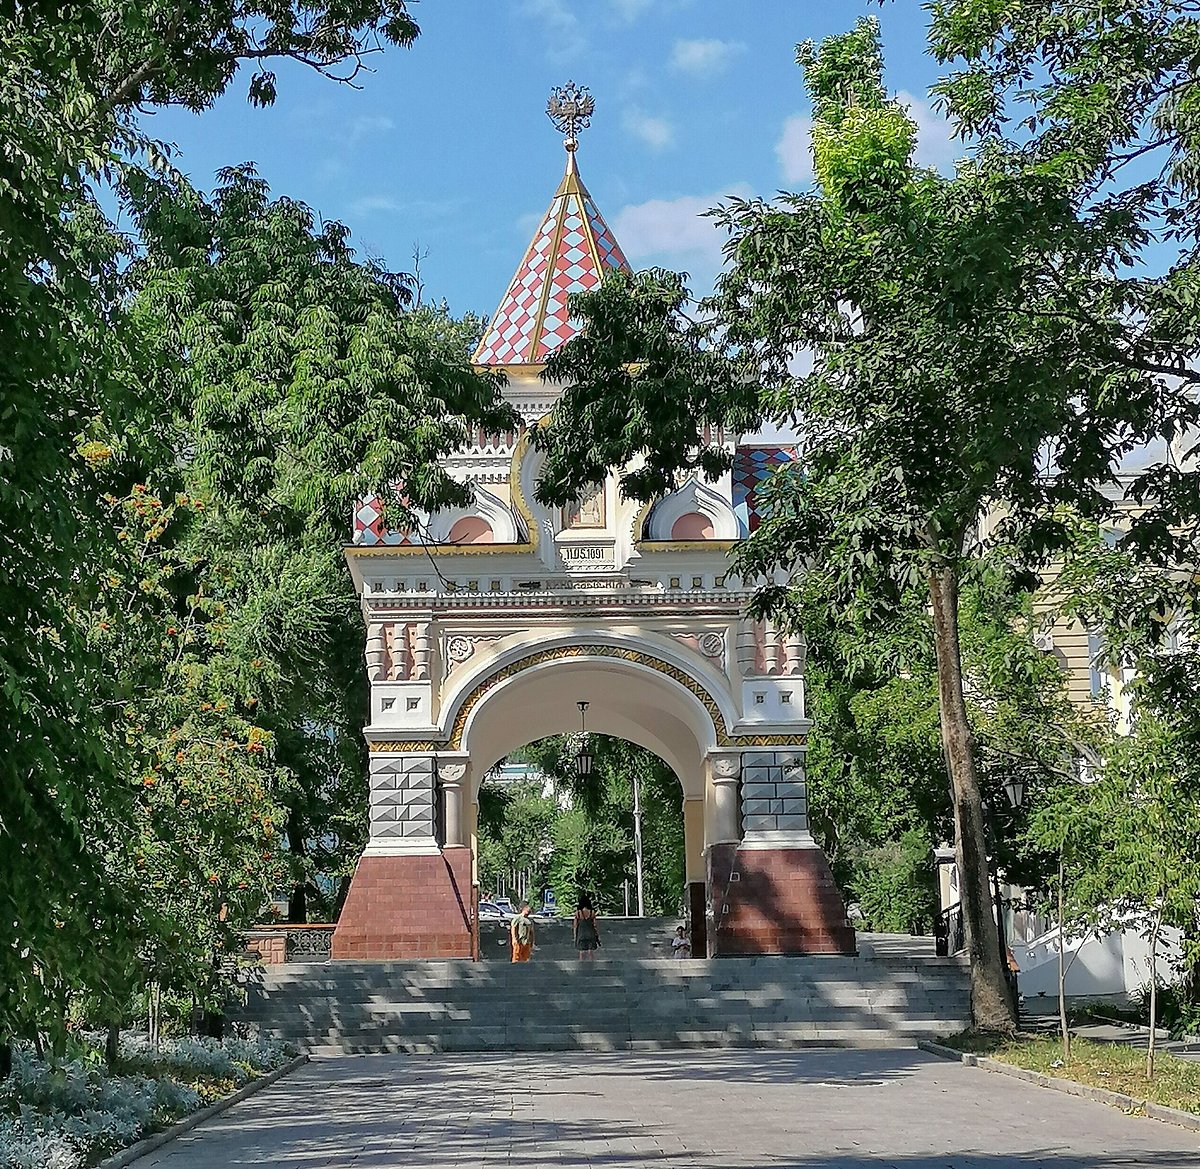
(1153, 994)
(298, 898)
(112, 1047)
(1062, 967)
(342, 893)
(5, 1059)
(153, 1014)
(991, 1002)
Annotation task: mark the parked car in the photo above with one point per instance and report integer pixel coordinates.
(491, 911)
(504, 904)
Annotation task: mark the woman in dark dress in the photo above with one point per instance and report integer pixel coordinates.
(587, 932)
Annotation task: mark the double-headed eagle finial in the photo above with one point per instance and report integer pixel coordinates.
(570, 109)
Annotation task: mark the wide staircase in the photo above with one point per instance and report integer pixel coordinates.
(892, 993)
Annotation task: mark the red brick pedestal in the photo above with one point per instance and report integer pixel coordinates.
(408, 907)
(775, 901)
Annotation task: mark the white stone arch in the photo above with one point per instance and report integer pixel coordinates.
(536, 696)
(626, 700)
(486, 506)
(656, 667)
(693, 496)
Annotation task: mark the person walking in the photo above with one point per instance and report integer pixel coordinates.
(521, 931)
(587, 932)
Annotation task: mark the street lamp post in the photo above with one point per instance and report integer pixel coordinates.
(1014, 791)
(637, 841)
(583, 768)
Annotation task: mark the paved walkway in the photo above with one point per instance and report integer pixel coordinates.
(786, 1110)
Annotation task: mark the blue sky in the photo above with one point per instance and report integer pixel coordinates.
(447, 144)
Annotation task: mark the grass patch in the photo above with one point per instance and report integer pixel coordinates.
(1176, 1082)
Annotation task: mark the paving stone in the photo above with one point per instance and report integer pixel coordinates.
(808, 1108)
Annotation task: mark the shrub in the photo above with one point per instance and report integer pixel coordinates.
(894, 884)
(65, 1114)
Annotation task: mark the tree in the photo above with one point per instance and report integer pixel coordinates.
(302, 382)
(1105, 97)
(517, 827)
(945, 367)
(875, 766)
(1127, 839)
(92, 405)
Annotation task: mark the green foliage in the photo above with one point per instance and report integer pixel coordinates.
(1106, 99)
(186, 418)
(895, 885)
(516, 835)
(1128, 837)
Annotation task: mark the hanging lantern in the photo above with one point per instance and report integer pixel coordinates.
(583, 760)
(1014, 789)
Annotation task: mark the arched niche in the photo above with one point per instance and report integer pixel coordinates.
(485, 507)
(693, 499)
(693, 525)
(471, 529)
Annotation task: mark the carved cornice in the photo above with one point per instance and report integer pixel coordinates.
(687, 603)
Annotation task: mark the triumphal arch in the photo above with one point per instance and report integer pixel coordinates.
(487, 629)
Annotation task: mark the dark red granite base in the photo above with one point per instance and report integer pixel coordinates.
(408, 907)
(775, 901)
(698, 916)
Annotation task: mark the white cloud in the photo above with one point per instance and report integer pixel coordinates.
(375, 205)
(657, 133)
(936, 145)
(674, 228)
(563, 33)
(630, 10)
(369, 126)
(794, 150)
(704, 58)
(367, 205)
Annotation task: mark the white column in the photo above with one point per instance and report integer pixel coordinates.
(452, 774)
(725, 770)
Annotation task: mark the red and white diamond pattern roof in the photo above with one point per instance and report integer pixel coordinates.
(571, 252)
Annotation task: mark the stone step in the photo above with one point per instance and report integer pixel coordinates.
(618, 1002)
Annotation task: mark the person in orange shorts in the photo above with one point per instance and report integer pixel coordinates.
(521, 932)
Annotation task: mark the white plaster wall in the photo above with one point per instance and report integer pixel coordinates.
(1116, 963)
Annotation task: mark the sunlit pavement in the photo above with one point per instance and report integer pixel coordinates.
(841, 1109)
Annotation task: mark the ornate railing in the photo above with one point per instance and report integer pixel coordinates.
(283, 942)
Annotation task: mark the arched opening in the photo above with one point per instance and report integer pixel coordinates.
(612, 839)
(694, 525)
(635, 707)
(471, 530)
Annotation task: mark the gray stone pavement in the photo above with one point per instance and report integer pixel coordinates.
(842, 1109)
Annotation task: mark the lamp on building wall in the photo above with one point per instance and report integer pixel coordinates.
(583, 760)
